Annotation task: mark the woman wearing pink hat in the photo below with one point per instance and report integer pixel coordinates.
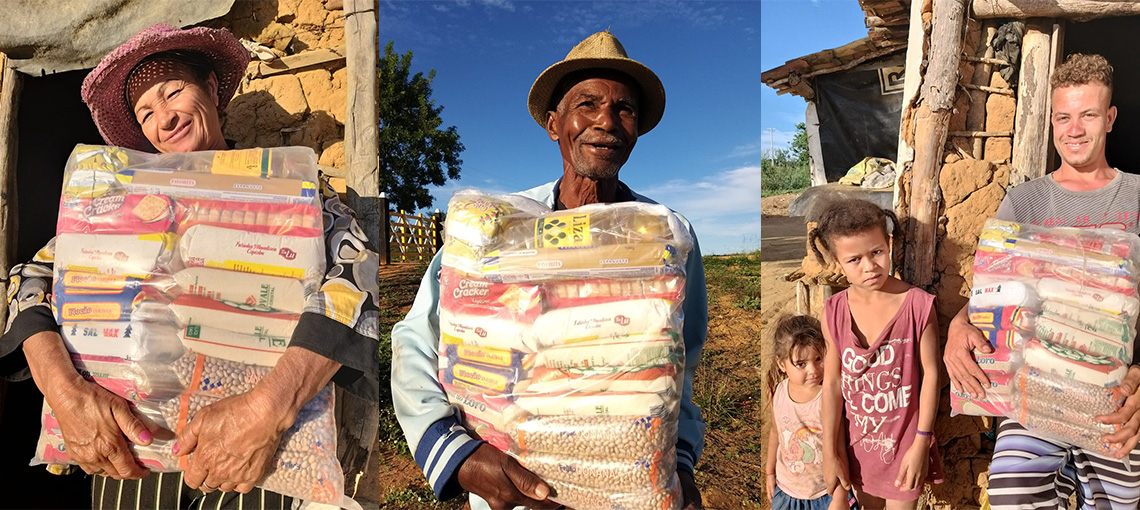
(163, 91)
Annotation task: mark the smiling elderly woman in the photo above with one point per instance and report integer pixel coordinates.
(163, 91)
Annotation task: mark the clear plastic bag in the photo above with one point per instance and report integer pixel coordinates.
(1062, 303)
(561, 342)
(179, 279)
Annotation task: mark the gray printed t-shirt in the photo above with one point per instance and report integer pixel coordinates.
(1042, 201)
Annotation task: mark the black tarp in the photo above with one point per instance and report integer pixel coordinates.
(859, 113)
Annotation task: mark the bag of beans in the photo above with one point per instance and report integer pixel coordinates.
(562, 342)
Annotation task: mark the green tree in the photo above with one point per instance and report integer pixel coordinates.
(414, 151)
(798, 149)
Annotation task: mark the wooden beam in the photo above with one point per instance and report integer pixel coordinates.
(259, 69)
(362, 118)
(983, 71)
(359, 419)
(1031, 143)
(1077, 10)
(1056, 56)
(931, 124)
(991, 90)
(986, 60)
(915, 53)
(815, 148)
(803, 303)
(10, 84)
(980, 134)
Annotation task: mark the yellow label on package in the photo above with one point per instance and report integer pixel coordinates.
(488, 355)
(561, 231)
(480, 378)
(73, 279)
(91, 311)
(253, 267)
(251, 162)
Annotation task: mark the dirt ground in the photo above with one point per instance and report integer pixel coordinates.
(782, 248)
(726, 386)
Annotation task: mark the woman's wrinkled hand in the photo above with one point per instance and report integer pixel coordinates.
(96, 426)
(232, 441)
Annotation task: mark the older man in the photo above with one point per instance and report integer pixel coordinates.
(595, 104)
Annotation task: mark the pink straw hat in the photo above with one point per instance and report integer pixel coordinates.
(104, 89)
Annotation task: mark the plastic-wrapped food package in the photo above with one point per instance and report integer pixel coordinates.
(179, 279)
(561, 342)
(998, 400)
(1059, 305)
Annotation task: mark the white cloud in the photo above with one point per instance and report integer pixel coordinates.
(776, 138)
(506, 5)
(724, 208)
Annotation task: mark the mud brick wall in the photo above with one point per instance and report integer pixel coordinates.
(971, 189)
(301, 107)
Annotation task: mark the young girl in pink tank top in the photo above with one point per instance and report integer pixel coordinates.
(794, 466)
(881, 389)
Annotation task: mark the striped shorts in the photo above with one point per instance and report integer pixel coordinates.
(165, 491)
(1032, 472)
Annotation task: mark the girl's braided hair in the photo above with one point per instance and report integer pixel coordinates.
(846, 217)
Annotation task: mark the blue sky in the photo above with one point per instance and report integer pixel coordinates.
(702, 160)
(833, 24)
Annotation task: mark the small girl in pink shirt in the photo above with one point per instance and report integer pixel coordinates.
(881, 388)
(794, 465)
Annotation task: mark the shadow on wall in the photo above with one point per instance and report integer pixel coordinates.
(257, 119)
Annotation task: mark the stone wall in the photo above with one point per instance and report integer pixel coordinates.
(971, 190)
(305, 106)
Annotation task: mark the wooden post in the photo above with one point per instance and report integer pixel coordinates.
(385, 239)
(1056, 57)
(815, 149)
(1031, 142)
(10, 83)
(362, 115)
(436, 231)
(931, 123)
(976, 116)
(912, 77)
(359, 419)
(803, 301)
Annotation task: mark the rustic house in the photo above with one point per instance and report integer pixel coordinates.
(854, 93)
(974, 123)
(312, 82)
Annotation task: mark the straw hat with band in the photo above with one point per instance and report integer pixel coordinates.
(104, 89)
(599, 51)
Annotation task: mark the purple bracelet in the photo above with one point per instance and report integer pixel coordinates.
(924, 434)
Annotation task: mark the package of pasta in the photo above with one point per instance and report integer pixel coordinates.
(561, 342)
(301, 220)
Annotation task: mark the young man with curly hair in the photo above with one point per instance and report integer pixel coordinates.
(1028, 471)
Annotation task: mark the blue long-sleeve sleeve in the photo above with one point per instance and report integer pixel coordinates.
(691, 427)
(438, 441)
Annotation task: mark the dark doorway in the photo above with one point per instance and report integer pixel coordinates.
(1104, 36)
(52, 120)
